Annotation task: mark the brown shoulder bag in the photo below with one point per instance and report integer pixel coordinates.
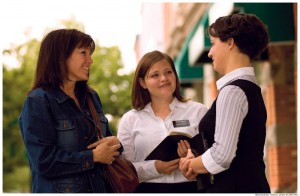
(121, 174)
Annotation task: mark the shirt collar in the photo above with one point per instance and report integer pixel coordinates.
(175, 103)
(59, 95)
(234, 75)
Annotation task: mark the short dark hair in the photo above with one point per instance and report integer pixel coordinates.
(55, 48)
(250, 34)
(140, 97)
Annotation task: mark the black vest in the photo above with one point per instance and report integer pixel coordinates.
(246, 173)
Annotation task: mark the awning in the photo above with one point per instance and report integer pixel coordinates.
(185, 60)
(199, 42)
(186, 73)
(277, 16)
(281, 26)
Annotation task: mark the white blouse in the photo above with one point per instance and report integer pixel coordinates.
(141, 131)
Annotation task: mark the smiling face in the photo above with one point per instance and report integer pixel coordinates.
(160, 80)
(78, 64)
(219, 53)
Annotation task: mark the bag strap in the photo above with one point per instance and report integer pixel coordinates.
(95, 116)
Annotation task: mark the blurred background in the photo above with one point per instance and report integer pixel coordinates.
(124, 31)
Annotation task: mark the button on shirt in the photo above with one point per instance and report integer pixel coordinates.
(231, 109)
(141, 131)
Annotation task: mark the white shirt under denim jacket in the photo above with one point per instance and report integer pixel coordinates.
(141, 131)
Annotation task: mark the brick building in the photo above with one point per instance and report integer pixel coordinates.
(179, 30)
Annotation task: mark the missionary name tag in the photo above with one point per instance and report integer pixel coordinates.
(181, 123)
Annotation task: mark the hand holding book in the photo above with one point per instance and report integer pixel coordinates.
(167, 149)
(182, 148)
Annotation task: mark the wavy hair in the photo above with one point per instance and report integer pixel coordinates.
(250, 34)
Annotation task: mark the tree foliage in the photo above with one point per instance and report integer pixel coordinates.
(16, 83)
(113, 89)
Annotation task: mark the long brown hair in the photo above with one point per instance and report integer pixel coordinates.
(55, 49)
(140, 97)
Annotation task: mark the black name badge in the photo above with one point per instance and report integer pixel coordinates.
(181, 123)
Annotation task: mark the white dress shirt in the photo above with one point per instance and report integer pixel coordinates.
(231, 109)
(141, 131)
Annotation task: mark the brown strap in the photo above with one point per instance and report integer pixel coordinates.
(95, 116)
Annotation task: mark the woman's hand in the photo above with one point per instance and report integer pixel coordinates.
(182, 148)
(105, 150)
(166, 167)
(112, 140)
(184, 166)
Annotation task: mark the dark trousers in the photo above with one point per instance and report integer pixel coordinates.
(184, 187)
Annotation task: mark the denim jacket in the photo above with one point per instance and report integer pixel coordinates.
(56, 141)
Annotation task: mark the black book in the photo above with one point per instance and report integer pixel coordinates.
(167, 149)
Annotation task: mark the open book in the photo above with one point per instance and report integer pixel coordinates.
(167, 149)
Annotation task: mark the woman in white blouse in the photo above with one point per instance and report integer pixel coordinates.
(157, 107)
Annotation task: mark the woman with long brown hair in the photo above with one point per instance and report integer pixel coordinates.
(158, 109)
(56, 122)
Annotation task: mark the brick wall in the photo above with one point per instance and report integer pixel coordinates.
(282, 168)
(280, 98)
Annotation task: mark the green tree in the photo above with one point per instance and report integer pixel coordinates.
(113, 89)
(16, 83)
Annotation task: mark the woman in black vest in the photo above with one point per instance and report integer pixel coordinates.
(235, 125)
